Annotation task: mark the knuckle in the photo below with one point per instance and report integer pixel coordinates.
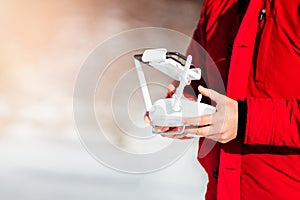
(223, 137)
(199, 132)
(223, 141)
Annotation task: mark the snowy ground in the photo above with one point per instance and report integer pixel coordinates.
(34, 169)
(43, 44)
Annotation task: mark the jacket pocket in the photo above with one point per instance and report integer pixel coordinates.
(262, 45)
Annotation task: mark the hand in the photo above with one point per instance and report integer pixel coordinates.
(175, 136)
(147, 119)
(220, 126)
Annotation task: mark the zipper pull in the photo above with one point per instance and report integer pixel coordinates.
(262, 15)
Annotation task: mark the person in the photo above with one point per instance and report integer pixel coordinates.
(256, 47)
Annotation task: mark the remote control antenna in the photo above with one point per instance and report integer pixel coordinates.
(143, 83)
(183, 82)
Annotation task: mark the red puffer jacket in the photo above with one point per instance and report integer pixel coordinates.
(259, 61)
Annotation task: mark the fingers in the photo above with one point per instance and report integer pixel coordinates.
(177, 136)
(204, 131)
(173, 136)
(213, 95)
(207, 132)
(210, 132)
(171, 130)
(164, 129)
(199, 121)
(147, 119)
(161, 129)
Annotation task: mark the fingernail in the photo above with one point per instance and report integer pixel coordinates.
(200, 87)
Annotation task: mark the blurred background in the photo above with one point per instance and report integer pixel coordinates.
(43, 44)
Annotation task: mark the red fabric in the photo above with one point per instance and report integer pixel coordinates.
(264, 69)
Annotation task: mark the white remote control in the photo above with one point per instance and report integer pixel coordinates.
(169, 112)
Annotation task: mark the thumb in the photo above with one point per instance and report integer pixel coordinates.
(213, 95)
